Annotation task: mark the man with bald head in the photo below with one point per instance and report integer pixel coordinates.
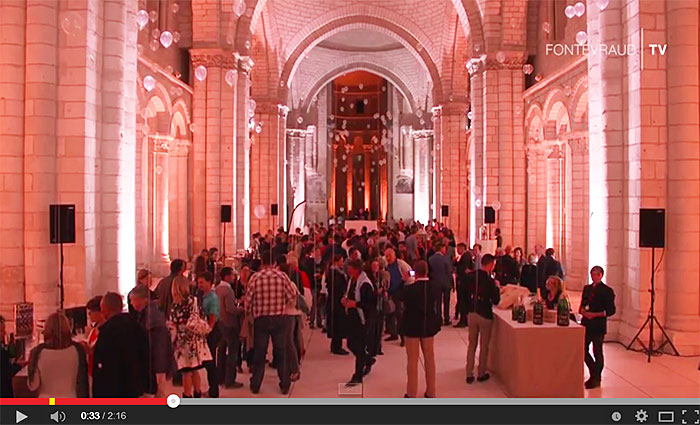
(121, 353)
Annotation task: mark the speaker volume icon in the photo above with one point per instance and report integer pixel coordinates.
(58, 416)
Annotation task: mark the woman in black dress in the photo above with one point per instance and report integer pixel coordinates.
(420, 323)
(336, 284)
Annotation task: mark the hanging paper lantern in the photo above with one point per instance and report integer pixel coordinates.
(166, 39)
(142, 18)
(570, 12)
(149, 83)
(200, 72)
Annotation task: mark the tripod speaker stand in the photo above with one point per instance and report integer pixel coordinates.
(652, 235)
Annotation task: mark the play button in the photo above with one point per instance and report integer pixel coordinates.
(19, 416)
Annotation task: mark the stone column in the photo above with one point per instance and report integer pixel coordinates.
(178, 198)
(454, 169)
(476, 161)
(161, 221)
(12, 112)
(241, 154)
(496, 94)
(40, 151)
(422, 146)
(436, 200)
(577, 273)
(683, 152)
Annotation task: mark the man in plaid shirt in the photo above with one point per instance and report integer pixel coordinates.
(269, 293)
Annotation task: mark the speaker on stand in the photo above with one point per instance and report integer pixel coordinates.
(225, 218)
(62, 230)
(274, 212)
(445, 212)
(652, 234)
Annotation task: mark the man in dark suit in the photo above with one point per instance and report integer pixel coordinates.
(163, 292)
(441, 274)
(121, 353)
(463, 265)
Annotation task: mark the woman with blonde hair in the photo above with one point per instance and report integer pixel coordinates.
(189, 342)
(58, 366)
(555, 290)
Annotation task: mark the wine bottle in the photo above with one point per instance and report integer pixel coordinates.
(562, 312)
(514, 311)
(522, 312)
(538, 313)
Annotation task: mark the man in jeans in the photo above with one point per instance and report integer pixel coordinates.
(269, 293)
(230, 321)
(597, 304)
(482, 293)
(212, 309)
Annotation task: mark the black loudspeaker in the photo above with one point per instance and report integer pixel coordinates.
(226, 213)
(489, 215)
(445, 212)
(62, 223)
(273, 209)
(652, 228)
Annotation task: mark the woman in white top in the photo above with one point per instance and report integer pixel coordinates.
(58, 367)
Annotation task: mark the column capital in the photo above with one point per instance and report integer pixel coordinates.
(497, 60)
(578, 145)
(180, 147)
(243, 63)
(422, 134)
(161, 143)
(215, 58)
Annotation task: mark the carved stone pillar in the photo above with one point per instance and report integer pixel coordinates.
(422, 146)
(161, 236)
(178, 193)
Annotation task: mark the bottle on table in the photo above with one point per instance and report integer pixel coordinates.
(563, 312)
(522, 312)
(538, 310)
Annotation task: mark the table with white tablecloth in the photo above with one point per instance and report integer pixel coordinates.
(542, 361)
(357, 225)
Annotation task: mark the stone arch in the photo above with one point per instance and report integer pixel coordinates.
(556, 115)
(180, 121)
(360, 66)
(158, 109)
(579, 105)
(534, 123)
(469, 13)
(409, 40)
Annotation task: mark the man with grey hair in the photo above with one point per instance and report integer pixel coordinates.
(121, 353)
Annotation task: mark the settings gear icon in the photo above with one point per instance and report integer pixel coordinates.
(641, 416)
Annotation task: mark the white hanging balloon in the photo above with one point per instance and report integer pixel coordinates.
(166, 39)
(581, 37)
(149, 83)
(259, 211)
(476, 190)
(200, 72)
(603, 4)
(239, 7)
(570, 12)
(496, 205)
(142, 18)
(579, 9)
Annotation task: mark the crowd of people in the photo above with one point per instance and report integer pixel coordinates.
(362, 288)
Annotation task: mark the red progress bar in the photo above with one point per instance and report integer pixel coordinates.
(24, 401)
(85, 401)
(112, 401)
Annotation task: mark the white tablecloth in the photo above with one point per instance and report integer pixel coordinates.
(359, 224)
(542, 361)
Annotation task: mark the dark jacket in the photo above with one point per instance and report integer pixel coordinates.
(507, 270)
(528, 277)
(336, 318)
(7, 371)
(421, 315)
(164, 294)
(441, 270)
(481, 294)
(121, 359)
(464, 265)
(595, 299)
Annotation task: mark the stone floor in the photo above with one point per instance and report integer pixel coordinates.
(627, 374)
